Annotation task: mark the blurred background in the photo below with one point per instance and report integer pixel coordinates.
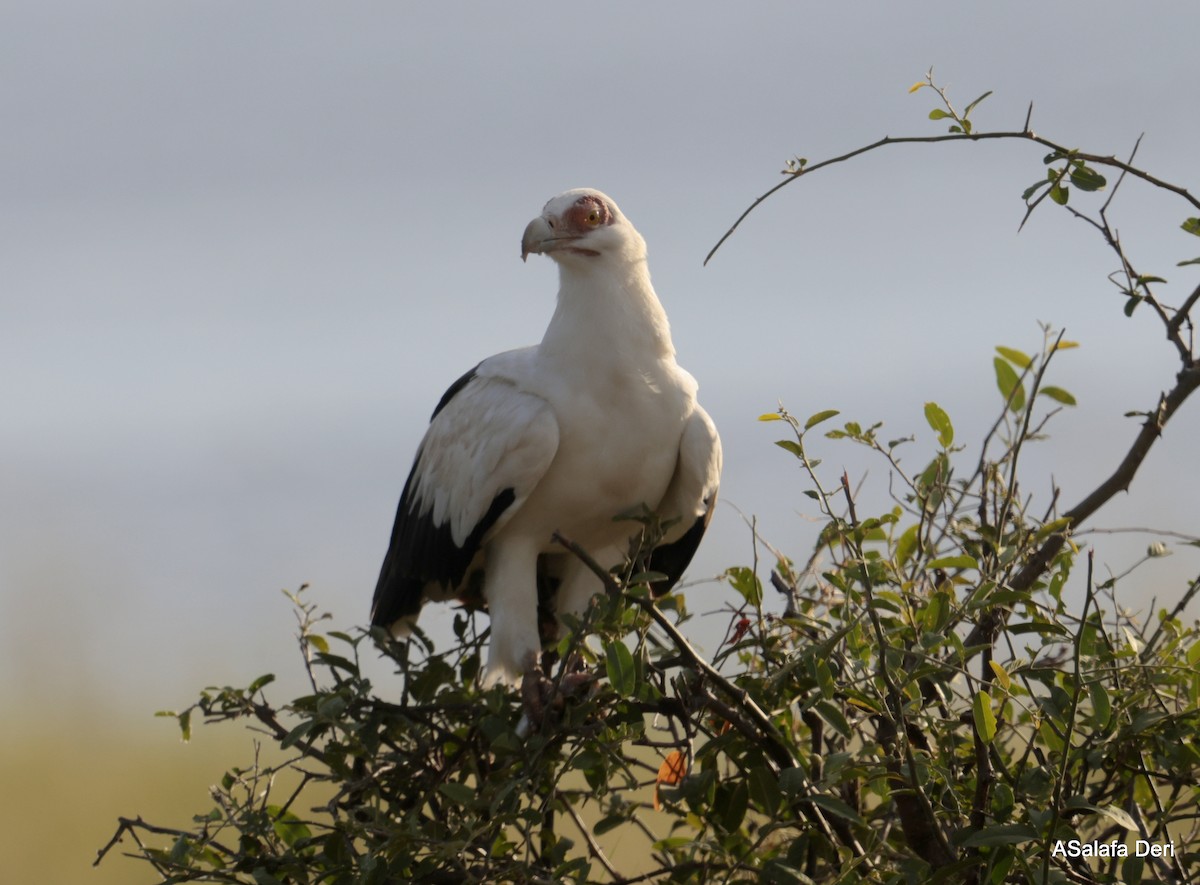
(245, 247)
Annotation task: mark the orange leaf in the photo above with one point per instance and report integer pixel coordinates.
(671, 772)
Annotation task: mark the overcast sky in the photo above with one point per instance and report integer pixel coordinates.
(244, 247)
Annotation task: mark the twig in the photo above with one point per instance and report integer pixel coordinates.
(132, 825)
(1024, 135)
(593, 846)
(1181, 315)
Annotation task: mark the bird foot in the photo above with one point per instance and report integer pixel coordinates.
(542, 697)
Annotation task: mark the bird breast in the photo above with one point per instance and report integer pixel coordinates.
(618, 445)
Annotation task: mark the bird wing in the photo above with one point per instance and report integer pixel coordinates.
(488, 444)
(689, 499)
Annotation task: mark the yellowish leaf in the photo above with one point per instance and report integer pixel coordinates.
(1001, 675)
(862, 705)
(916, 86)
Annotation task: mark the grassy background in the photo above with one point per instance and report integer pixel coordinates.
(66, 782)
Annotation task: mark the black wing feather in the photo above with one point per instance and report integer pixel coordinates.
(422, 552)
(673, 559)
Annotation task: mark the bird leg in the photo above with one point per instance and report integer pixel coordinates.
(536, 690)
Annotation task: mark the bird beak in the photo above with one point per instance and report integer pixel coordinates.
(541, 238)
(538, 237)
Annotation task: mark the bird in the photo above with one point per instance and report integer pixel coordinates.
(560, 437)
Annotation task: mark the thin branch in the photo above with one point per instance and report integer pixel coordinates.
(1182, 315)
(594, 848)
(1024, 135)
(131, 825)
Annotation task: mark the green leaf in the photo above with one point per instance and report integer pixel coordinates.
(1033, 189)
(940, 422)
(1001, 675)
(937, 613)
(764, 789)
(185, 725)
(948, 562)
(745, 582)
(1002, 861)
(1132, 868)
(1001, 834)
(732, 804)
(1060, 194)
(779, 872)
(1087, 179)
(296, 734)
(1192, 226)
(837, 807)
(975, 103)
(609, 823)
(816, 419)
(1058, 395)
(459, 794)
(1018, 359)
(1044, 628)
(834, 716)
(1101, 705)
(1119, 816)
(262, 876)
(931, 484)
(618, 664)
(287, 826)
(318, 642)
(906, 545)
(1189, 261)
(1053, 527)
(1193, 654)
(770, 416)
(938, 114)
(1010, 385)
(985, 719)
(790, 445)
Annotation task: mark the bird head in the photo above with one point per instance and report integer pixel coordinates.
(582, 225)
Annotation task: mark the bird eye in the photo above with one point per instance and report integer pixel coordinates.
(593, 217)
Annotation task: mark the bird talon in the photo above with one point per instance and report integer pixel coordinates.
(541, 695)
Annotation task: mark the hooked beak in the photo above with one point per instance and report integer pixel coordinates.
(538, 238)
(542, 238)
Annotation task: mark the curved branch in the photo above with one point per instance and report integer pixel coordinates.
(1025, 134)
